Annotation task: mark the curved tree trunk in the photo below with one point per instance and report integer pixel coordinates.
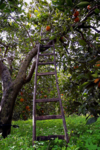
(11, 89)
(10, 92)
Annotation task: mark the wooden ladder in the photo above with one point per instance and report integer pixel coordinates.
(42, 138)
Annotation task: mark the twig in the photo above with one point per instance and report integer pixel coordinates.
(92, 28)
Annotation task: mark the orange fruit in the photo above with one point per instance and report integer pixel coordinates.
(61, 38)
(96, 80)
(98, 62)
(75, 67)
(97, 65)
(76, 13)
(88, 7)
(27, 107)
(61, 94)
(42, 111)
(30, 15)
(76, 19)
(99, 85)
(21, 100)
(48, 28)
(45, 96)
(21, 93)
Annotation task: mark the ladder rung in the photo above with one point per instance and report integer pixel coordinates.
(46, 73)
(49, 137)
(46, 63)
(47, 100)
(46, 54)
(48, 117)
(46, 46)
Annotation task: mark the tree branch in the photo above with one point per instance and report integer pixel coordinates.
(92, 28)
(5, 76)
(28, 78)
(84, 38)
(25, 64)
(91, 12)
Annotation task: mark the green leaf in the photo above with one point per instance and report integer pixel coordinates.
(52, 37)
(91, 120)
(26, 4)
(2, 6)
(61, 2)
(6, 11)
(83, 4)
(97, 39)
(69, 2)
(55, 2)
(82, 42)
(97, 11)
(60, 8)
(95, 75)
(85, 84)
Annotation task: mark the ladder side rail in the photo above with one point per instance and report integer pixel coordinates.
(49, 137)
(62, 112)
(34, 96)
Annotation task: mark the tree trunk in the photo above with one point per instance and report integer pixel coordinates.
(10, 91)
(7, 107)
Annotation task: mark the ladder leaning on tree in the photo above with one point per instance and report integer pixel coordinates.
(47, 100)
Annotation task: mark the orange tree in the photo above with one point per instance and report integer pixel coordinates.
(81, 64)
(20, 37)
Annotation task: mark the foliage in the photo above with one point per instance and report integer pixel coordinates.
(79, 65)
(82, 136)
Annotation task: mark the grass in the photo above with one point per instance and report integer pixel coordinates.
(82, 136)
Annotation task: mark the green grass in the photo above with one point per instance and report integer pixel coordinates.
(83, 137)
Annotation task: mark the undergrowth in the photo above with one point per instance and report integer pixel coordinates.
(82, 136)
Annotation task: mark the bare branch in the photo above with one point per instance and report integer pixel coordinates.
(3, 44)
(90, 44)
(6, 46)
(92, 28)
